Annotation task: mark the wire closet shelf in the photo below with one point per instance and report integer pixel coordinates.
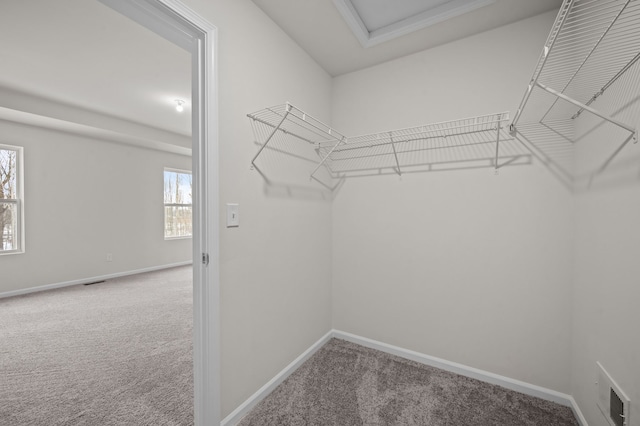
(483, 138)
(594, 45)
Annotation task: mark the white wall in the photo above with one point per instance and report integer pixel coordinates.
(463, 265)
(276, 267)
(606, 292)
(85, 198)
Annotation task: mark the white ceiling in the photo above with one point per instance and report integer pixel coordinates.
(320, 29)
(80, 53)
(83, 54)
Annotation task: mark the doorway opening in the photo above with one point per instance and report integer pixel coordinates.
(177, 23)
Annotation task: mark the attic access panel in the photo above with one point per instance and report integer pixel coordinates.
(377, 21)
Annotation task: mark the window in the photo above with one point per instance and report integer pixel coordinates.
(177, 203)
(11, 223)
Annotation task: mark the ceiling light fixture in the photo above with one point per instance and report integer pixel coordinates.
(179, 103)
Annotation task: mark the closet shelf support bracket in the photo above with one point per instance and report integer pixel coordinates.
(497, 142)
(585, 107)
(340, 141)
(395, 154)
(273, 132)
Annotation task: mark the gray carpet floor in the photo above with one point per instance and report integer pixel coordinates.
(347, 384)
(120, 353)
(115, 353)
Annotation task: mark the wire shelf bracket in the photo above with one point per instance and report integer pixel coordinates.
(592, 45)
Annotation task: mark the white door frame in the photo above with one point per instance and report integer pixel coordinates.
(177, 23)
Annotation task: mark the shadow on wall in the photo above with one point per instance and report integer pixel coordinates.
(622, 173)
(291, 190)
(580, 110)
(587, 152)
(600, 154)
(600, 139)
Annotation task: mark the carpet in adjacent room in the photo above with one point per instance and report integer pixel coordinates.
(114, 353)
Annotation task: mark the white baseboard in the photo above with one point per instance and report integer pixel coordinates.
(577, 412)
(464, 370)
(91, 279)
(253, 400)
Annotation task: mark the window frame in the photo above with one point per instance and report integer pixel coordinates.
(18, 201)
(165, 205)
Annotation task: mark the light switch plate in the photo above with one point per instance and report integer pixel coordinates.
(233, 215)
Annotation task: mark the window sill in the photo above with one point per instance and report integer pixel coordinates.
(10, 252)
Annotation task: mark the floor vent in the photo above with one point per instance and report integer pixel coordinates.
(613, 403)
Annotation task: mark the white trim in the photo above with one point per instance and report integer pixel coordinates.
(167, 18)
(174, 21)
(576, 411)
(464, 370)
(417, 22)
(206, 217)
(91, 279)
(353, 20)
(253, 400)
(186, 24)
(173, 169)
(19, 200)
